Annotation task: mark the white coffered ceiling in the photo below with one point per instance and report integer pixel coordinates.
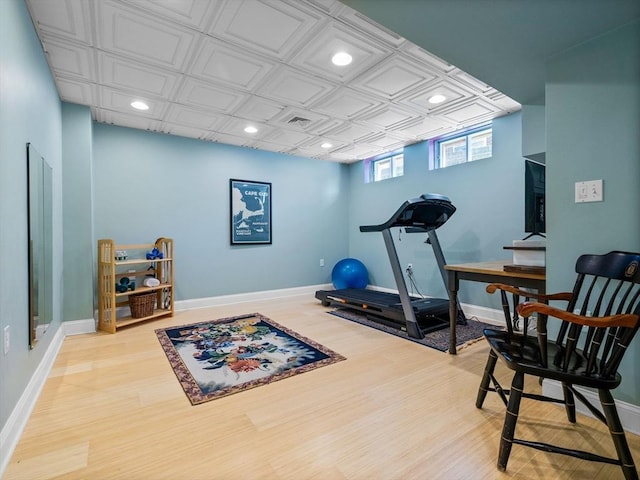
(208, 68)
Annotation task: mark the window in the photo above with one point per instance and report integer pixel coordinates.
(468, 146)
(389, 165)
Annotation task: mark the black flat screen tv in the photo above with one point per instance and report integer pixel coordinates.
(534, 198)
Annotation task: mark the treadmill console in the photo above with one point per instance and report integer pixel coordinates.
(427, 212)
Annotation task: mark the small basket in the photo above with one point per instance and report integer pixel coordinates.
(142, 304)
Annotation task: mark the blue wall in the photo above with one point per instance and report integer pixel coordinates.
(490, 213)
(593, 125)
(77, 183)
(29, 112)
(149, 185)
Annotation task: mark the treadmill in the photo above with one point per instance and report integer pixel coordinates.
(415, 315)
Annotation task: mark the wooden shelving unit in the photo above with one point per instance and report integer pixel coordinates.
(113, 306)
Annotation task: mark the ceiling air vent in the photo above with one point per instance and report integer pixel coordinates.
(299, 122)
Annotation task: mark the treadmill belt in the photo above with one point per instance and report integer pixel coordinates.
(372, 297)
(386, 304)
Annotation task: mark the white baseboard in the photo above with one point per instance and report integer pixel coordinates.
(78, 327)
(484, 314)
(13, 428)
(629, 413)
(182, 305)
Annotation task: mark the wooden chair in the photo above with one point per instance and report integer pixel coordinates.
(595, 329)
(519, 337)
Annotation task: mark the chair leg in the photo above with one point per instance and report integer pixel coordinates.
(486, 378)
(617, 434)
(510, 420)
(569, 403)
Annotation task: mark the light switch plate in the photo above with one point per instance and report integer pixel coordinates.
(589, 191)
(6, 339)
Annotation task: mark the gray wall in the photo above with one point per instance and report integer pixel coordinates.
(149, 185)
(490, 213)
(29, 112)
(593, 125)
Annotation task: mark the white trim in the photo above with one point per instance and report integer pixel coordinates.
(206, 302)
(629, 413)
(247, 297)
(484, 314)
(78, 327)
(13, 428)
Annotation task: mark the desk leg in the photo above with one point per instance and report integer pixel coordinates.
(453, 285)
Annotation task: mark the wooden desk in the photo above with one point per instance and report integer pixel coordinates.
(487, 272)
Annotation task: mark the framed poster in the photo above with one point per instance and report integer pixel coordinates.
(250, 212)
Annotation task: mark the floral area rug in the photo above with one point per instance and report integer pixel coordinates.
(220, 357)
(465, 334)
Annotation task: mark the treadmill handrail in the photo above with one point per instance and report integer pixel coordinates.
(427, 200)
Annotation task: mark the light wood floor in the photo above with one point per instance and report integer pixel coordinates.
(113, 409)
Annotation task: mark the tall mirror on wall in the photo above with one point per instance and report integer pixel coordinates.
(40, 193)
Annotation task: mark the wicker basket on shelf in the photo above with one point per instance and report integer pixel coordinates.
(142, 304)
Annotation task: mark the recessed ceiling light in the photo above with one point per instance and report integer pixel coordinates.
(438, 98)
(341, 59)
(326, 145)
(139, 105)
(250, 129)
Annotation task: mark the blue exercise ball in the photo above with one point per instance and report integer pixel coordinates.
(349, 273)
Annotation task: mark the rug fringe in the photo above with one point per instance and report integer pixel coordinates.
(469, 343)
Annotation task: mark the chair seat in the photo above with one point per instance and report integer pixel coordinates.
(522, 353)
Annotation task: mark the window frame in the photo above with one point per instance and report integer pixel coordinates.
(465, 135)
(396, 170)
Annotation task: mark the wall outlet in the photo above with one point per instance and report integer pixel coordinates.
(6, 338)
(322, 262)
(410, 269)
